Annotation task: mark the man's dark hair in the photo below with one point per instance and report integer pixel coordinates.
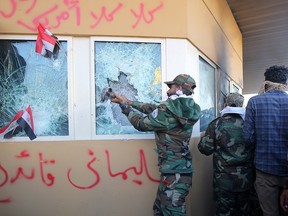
(277, 74)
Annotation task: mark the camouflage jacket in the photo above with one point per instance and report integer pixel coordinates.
(172, 121)
(232, 160)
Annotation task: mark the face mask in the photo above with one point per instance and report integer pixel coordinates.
(179, 92)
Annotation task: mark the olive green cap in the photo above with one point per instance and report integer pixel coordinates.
(184, 80)
(235, 100)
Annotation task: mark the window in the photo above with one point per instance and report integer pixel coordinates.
(225, 89)
(235, 88)
(129, 68)
(207, 93)
(27, 78)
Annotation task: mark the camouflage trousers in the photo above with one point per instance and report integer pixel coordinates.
(232, 203)
(171, 194)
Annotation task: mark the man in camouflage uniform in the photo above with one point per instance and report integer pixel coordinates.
(172, 121)
(233, 176)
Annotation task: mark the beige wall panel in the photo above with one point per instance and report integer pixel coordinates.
(206, 33)
(224, 17)
(201, 196)
(128, 191)
(45, 188)
(234, 68)
(110, 18)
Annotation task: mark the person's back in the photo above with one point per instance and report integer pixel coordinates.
(232, 159)
(265, 129)
(270, 113)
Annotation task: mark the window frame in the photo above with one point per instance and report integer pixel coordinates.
(94, 136)
(69, 91)
(234, 84)
(216, 80)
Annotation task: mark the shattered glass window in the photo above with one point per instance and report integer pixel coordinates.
(132, 69)
(28, 78)
(235, 88)
(207, 93)
(225, 89)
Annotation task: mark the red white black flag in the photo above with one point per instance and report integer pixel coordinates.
(12, 128)
(45, 42)
(27, 124)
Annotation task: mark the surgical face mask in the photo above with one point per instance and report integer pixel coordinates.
(179, 92)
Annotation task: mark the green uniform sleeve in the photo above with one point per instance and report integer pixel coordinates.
(144, 107)
(207, 143)
(154, 121)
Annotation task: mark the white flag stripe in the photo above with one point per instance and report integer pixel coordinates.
(26, 117)
(43, 51)
(48, 46)
(48, 32)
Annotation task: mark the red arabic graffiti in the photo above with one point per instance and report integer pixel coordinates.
(141, 14)
(20, 172)
(109, 17)
(8, 178)
(89, 166)
(54, 15)
(143, 167)
(5, 173)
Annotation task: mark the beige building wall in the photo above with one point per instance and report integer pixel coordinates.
(213, 30)
(208, 24)
(86, 176)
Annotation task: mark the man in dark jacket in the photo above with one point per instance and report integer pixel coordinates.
(172, 121)
(232, 160)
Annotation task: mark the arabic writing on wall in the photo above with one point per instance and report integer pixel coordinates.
(9, 177)
(56, 14)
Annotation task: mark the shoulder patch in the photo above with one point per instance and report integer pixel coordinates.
(155, 113)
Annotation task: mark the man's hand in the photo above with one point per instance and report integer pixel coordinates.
(123, 102)
(284, 200)
(119, 99)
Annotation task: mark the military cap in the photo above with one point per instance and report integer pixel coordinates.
(235, 100)
(184, 80)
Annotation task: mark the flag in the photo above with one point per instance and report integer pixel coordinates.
(12, 128)
(27, 124)
(45, 42)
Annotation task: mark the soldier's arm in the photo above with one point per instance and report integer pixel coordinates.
(155, 121)
(207, 143)
(143, 107)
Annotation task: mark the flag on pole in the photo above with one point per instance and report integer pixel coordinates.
(27, 124)
(45, 42)
(12, 128)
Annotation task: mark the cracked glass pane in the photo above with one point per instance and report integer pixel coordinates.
(132, 69)
(27, 78)
(207, 93)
